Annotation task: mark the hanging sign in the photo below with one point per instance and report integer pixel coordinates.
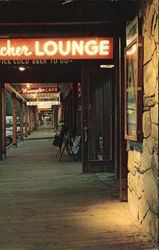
(41, 104)
(39, 90)
(56, 48)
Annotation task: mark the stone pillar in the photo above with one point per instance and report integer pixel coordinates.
(21, 120)
(3, 120)
(14, 100)
(143, 164)
(26, 120)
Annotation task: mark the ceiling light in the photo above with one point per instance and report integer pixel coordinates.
(28, 85)
(67, 1)
(107, 66)
(21, 68)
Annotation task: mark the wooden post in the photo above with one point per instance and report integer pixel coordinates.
(14, 100)
(53, 116)
(1, 151)
(4, 120)
(21, 120)
(1, 120)
(37, 117)
(30, 120)
(123, 152)
(34, 117)
(26, 120)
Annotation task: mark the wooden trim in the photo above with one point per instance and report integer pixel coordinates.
(1, 150)
(29, 120)
(123, 152)
(10, 87)
(26, 120)
(84, 101)
(138, 101)
(4, 120)
(21, 120)
(14, 100)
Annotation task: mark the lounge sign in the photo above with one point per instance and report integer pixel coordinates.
(56, 48)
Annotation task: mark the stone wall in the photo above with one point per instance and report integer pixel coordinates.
(143, 164)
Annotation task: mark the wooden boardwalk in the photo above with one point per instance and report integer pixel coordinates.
(47, 205)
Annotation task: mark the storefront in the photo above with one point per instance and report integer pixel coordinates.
(112, 77)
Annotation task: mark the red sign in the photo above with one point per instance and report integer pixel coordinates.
(39, 90)
(56, 48)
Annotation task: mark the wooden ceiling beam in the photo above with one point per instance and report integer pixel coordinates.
(10, 87)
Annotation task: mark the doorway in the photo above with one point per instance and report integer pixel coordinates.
(97, 120)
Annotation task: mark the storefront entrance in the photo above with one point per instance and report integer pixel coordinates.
(97, 119)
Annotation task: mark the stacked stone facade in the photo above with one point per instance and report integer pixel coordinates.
(143, 164)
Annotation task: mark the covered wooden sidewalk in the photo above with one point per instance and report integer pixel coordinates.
(47, 205)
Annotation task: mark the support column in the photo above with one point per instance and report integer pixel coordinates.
(34, 117)
(1, 155)
(21, 120)
(37, 117)
(56, 117)
(26, 120)
(4, 120)
(14, 100)
(53, 116)
(30, 120)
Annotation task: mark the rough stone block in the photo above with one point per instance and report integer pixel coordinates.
(143, 208)
(156, 146)
(146, 161)
(151, 190)
(149, 102)
(136, 184)
(149, 47)
(133, 204)
(150, 79)
(154, 114)
(131, 162)
(146, 124)
(156, 159)
(152, 20)
(137, 157)
(156, 94)
(148, 145)
(150, 224)
(154, 133)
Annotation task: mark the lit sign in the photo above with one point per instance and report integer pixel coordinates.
(43, 105)
(39, 90)
(56, 48)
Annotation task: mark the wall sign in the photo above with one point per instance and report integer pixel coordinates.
(56, 48)
(39, 90)
(133, 90)
(132, 31)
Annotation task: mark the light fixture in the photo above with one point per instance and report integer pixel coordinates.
(28, 85)
(67, 1)
(107, 66)
(22, 68)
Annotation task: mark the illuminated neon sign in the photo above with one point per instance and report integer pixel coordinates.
(56, 48)
(43, 105)
(39, 90)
